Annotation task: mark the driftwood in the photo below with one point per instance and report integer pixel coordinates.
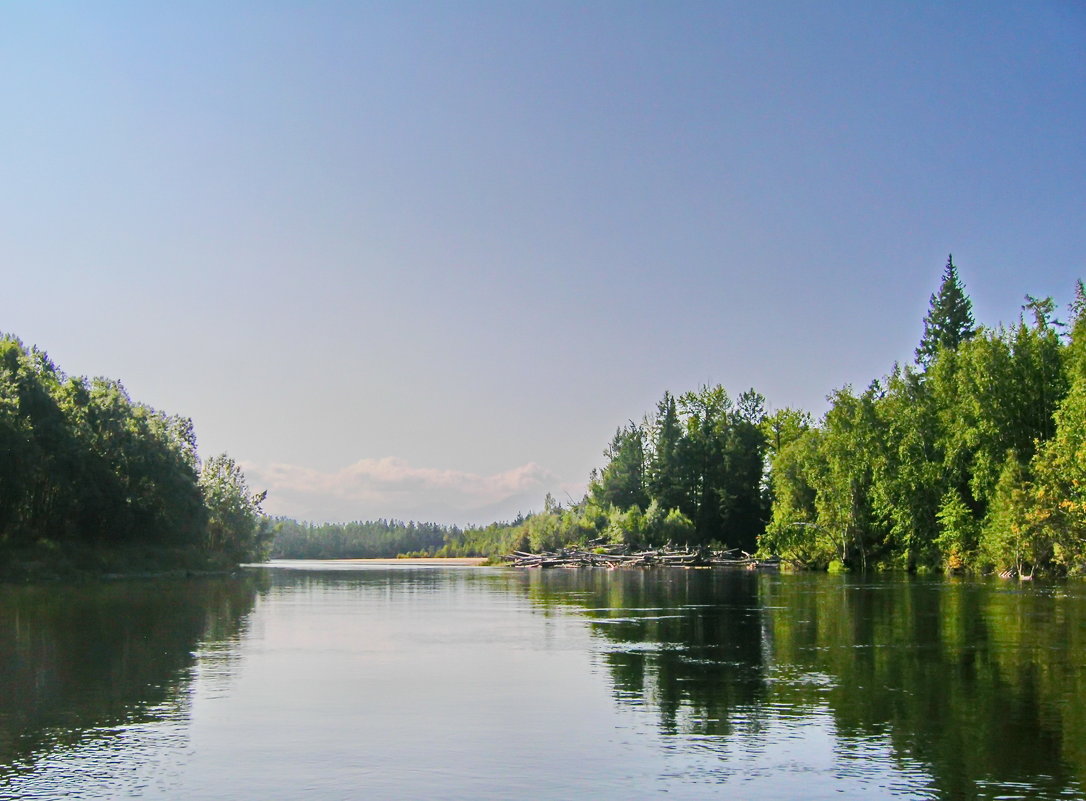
(620, 556)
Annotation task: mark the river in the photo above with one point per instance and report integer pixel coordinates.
(332, 681)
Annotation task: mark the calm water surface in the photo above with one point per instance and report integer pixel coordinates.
(318, 681)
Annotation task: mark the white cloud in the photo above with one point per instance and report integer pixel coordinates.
(393, 488)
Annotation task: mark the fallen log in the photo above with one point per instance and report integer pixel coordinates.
(662, 557)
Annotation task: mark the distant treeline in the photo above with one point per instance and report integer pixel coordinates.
(376, 539)
(86, 470)
(971, 457)
(359, 540)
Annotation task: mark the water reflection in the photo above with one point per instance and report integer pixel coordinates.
(981, 684)
(95, 662)
(488, 684)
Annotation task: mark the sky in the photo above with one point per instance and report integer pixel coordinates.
(418, 260)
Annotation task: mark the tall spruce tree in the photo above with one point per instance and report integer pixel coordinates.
(949, 321)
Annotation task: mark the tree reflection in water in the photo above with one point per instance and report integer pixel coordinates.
(982, 683)
(95, 660)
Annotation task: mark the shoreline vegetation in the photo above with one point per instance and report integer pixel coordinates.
(971, 458)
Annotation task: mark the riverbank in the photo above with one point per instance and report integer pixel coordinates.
(414, 561)
(446, 561)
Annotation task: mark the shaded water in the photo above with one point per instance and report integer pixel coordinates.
(477, 683)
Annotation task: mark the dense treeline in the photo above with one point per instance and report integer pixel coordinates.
(973, 458)
(85, 469)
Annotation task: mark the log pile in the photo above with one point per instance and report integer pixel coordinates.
(621, 556)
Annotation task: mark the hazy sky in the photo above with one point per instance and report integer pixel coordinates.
(419, 260)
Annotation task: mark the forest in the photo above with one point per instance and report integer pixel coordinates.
(970, 457)
(92, 480)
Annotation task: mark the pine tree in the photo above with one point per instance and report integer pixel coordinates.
(949, 321)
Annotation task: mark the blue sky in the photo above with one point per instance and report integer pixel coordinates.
(420, 259)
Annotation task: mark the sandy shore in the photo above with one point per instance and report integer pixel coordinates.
(449, 561)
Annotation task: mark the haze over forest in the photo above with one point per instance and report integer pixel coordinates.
(418, 260)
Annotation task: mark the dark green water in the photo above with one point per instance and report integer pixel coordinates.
(476, 683)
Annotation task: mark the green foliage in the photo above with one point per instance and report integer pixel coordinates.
(906, 483)
(793, 532)
(998, 392)
(1060, 482)
(622, 481)
(666, 472)
(1075, 356)
(784, 427)
(957, 540)
(699, 457)
(1010, 539)
(661, 526)
(843, 488)
(676, 527)
(626, 526)
(236, 526)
